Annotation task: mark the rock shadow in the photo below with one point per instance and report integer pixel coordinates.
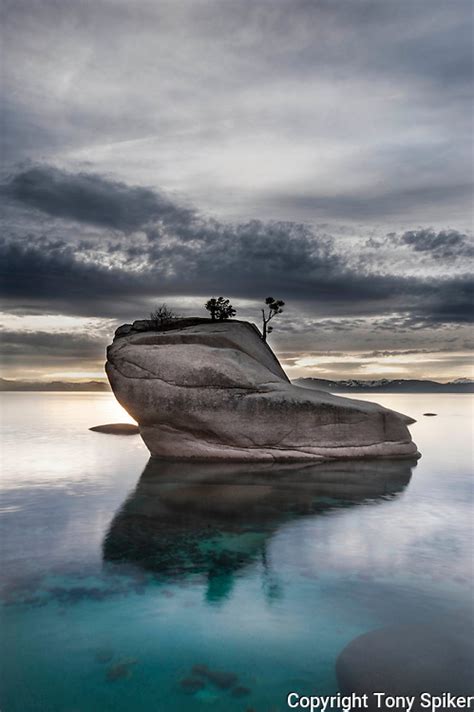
(213, 519)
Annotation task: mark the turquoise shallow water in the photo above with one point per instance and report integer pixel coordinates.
(120, 575)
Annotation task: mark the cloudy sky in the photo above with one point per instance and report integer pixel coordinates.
(319, 151)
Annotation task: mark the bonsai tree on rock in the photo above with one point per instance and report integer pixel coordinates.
(161, 315)
(272, 308)
(220, 309)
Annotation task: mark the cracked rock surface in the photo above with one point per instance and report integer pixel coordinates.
(215, 391)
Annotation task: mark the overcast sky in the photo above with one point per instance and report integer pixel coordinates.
(317, 151)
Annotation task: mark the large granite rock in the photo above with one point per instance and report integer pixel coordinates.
(215, 391)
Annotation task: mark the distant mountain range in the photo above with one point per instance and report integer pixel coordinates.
(6, 385)
(460, 385)
(384, 385)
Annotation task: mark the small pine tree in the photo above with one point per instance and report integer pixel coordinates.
(274, 307)
(161, 315)
(220, 308)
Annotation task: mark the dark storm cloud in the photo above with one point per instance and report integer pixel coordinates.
(188, 254)
(90, 198)
(61, 345)
(297, 108)
(445, 246)
(442, 245)
(454, 303)
(49, 276)
(300, 111)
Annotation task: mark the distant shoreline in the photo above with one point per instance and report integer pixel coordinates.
(346, 386)
(386, 386)
(55, 386)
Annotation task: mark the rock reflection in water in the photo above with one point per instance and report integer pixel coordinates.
(212, 518)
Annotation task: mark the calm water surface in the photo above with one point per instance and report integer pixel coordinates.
(120, 575)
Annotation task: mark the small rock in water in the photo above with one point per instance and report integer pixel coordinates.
(200, 669)
(221, 679)
(118, 672)
(192, 684)
(104, 656)
(117, 429)
(121, 670)
(430, 414)
(240, 691)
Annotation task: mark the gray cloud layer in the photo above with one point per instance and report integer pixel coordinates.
(353, 111)
(443, 245)
(184, 253)
(274, 117)
(89, 198)
(14, 344)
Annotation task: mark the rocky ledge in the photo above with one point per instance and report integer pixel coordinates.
(209, 390)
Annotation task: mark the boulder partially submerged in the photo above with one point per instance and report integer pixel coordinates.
(215, 391)
(409, 660)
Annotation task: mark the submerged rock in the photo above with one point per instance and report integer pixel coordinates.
(240, 691)
(192, 684)
(121, 670)
(219, 678)
(215, 391)
(104, 655)
(116, 429)
(409, 660)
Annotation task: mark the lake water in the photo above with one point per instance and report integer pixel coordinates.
(119, 576)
